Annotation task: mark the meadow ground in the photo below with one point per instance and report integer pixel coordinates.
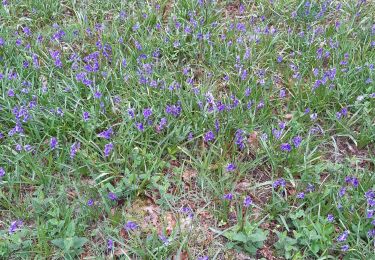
(189, 129)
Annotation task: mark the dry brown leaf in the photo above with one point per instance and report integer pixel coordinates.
(253, 140)
(171, 223)
(189, 174)
(288, 116)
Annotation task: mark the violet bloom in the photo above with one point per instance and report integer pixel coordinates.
(285, 147)
(140, 127)
(203, 258)
(74, 149)
(343, 236)
(106, 134)
(330, 218)
(313, 116)
(53, 142)
(110, 244)
(370, 213)
(147, 112)
(2, 172)
(240, 139)
(108, 149)
(164, 239)
(231, 167)
(297, 141)
(14, 226)
(112, 196)
(247, 202)
(209, 136)
(228, 196)
(301, 195)
(345, 248)
(279, 183)
(86, 116)
(90, 203)
(130, 225)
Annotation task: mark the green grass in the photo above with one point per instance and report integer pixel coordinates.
(169, 178)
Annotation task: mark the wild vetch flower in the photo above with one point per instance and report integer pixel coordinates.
(140, 127)
(343, 236)
(74, 149)
(85, 116)
(164, 239)
(174, 110)
(188, 211)
(345, 248)
(112, 196)
(231, 167)
(90, 202)
(209, 136)
(314, 116)
(228, 196)
(342, 191)
(110, 244)
(371, 233)
(130, 225)
(106, 134)
(282, 93)
(53, 142)
(301, 195)
(14, 226)
(2, 172)
(330, 218)
(247, 202)
(147, 112)
(297, 141)
(97, 95)
(285, 147)
(277, 133)
(279, 183)
(369, 213)
(203, 258)
(108, 149)
(239, 139)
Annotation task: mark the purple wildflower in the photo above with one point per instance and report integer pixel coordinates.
(239, 139)
(74, 149)
(231, 167)
(345, 248)
(279, 183)
(228, 196)
(247, 202)
(209, 136)
(147, 112)
(301, 195)
(285, 147)
(313, 116)
(108, 149)
(15, 225)
(130, 225)
(106, 134)
(2, 172)
(53, 142)
(164, 239)
(140, 127)
(343, 236)
(90, 203)
(112, 196)
(297, 141)
(86, 116)
(330, 218)
(110, 244)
